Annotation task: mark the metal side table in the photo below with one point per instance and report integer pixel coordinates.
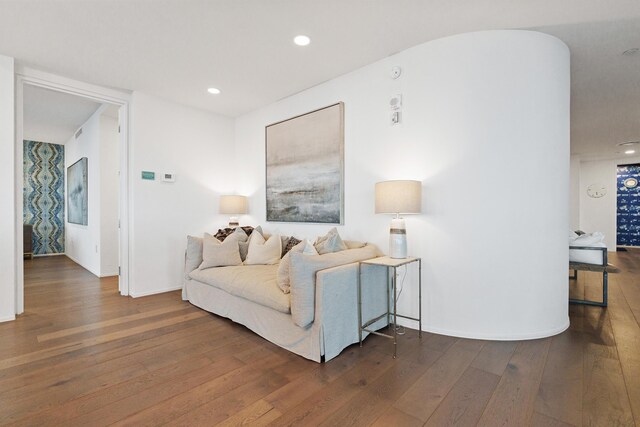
(391, 264)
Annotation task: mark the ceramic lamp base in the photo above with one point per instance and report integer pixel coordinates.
(233, 222)
(398, 239)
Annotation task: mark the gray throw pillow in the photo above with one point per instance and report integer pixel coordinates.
(330, 242)
(193, 256)
(303, 278)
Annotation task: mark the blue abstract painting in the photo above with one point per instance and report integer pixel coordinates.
(43, 195)
(77, 192)
(628, 215)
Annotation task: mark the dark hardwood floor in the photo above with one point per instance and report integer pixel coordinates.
(83, 355)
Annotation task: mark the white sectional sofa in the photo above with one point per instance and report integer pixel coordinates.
(317, 320)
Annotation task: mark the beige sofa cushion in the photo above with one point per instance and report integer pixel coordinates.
(220, 254)
(284, 282)
(264, 251)
(256, 283)
(303, 278)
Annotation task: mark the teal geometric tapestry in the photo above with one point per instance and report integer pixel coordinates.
(43, 195)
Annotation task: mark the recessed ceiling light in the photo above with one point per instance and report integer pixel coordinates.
(632, 51)
(301, 40)
(213, 90)
(629, 151)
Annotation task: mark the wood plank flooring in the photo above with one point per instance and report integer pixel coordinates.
(84, 355)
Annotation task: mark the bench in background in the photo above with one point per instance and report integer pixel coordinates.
(605, 268)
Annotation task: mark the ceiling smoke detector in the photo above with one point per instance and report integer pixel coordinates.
(632, 51)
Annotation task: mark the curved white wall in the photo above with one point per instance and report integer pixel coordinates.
(486, 128)
(498, 210)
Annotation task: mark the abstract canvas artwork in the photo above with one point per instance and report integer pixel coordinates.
(77, 192)
(305, 167)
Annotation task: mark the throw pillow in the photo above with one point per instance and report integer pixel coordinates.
(193, 255)
(263, 252)
(330, 242)
(282, 277)
(243, 241)
(352, 244)
(290, 244)
(220, 254)
(303, 278)
(588, 239)
(223, 233)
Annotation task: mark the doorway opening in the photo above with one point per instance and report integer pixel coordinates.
(628, 205)
(72, 191)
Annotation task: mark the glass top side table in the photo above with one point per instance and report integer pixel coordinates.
(391, 264)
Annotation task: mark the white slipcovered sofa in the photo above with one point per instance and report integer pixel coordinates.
(317, 320)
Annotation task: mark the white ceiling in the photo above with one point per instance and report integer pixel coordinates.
(176, 49)
(54, 117)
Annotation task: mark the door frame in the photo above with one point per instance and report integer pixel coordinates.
(27, 76)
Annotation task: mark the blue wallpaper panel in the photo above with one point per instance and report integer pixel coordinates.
(43, 195)
(628, 215)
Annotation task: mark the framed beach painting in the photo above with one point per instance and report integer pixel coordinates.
(78, 193)
(305, 167)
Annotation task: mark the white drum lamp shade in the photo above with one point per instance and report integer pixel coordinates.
(233, 205)
(398, 197)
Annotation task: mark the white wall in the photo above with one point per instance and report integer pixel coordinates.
(95, 245)
(197, 147)
(7, 191)
(574, 193)
(109, 193)
(600, 214)
(82, 242)
(482, 112)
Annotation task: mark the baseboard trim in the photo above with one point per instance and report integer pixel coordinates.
(7, 319)
(145, 294)
(80, 264)
(490, 337)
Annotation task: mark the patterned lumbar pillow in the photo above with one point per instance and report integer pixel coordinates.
(263, 251)
(288, 244)
(220, 254)
(330, 242)
(282, 278)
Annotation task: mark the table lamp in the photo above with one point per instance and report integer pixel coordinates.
(398, 197)
(233, 205)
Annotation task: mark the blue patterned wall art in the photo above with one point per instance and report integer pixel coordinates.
(628, 215)
(43, 195)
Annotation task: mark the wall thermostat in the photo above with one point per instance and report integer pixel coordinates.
(395, 72)
(168, 177)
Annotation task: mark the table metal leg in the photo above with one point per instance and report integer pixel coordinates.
(420, 298)
(395, 318)
(389, 283)
(359, 305)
